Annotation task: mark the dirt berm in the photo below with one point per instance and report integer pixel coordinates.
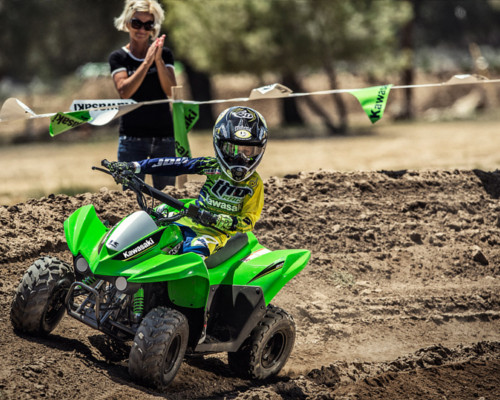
(401, 298)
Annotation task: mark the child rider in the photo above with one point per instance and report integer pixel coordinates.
(233, 190)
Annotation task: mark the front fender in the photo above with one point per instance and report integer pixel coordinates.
(83, 230)
(186, 276)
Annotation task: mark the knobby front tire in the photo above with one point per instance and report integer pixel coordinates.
(38, 304)
(159, 347)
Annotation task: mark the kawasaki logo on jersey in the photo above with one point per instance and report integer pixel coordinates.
(228, 197)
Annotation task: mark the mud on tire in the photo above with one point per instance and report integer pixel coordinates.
(38, 304)
(159, 347)
(267, 349)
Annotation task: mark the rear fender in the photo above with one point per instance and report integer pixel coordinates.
(84, 230)
(272, 270)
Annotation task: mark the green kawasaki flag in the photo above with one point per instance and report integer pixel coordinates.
(62, 122)
(185, 116)
(373, 100)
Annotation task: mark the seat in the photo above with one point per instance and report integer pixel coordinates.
(233, 246)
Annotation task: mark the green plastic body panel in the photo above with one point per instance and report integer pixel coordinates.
(284, 265)
(85, 232)
(258, 266)
(104, 262)
(187, 276)
(83, 229)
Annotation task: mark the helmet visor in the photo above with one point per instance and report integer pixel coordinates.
(237, 154)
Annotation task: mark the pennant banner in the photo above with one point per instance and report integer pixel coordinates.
(100, 112)
(191, 115)
(13, 109)
(273, 91)
(184, 116)
(373, 100)
(62, 122)
(104, 111)
(85, 105)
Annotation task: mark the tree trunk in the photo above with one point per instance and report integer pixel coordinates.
(316, 108)
(291, 114)
(408, 73)
(339, 102)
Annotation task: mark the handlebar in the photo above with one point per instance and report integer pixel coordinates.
(204, 217)
(132, 181)
(105, 163)
(137, 183)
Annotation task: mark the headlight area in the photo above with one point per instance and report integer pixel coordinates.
(124, 286)
(84, 274)
(81, 265)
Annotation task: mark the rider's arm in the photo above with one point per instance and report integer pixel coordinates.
(173, 166)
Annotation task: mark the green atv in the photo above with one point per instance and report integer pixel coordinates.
(129, 282)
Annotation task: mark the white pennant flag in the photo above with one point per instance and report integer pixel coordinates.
(104, 111)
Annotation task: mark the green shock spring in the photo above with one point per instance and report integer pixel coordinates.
(138, 302)
(89, 280)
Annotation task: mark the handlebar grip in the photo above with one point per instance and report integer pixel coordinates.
(192, 211)
(202, 216)
(207, 218)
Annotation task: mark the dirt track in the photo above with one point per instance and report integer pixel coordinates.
(401, 298)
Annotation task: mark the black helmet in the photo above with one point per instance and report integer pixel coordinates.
(240, 138)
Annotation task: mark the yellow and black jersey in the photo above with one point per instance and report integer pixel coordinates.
(220, 194)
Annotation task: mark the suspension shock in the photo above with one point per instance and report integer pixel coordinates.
(90, 280)
(138, 304)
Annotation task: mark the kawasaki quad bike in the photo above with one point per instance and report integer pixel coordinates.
(130, 282)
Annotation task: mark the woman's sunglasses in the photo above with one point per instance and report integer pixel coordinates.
(138, 24)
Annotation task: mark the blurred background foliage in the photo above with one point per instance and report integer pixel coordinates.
(56, 46)
(47, 40)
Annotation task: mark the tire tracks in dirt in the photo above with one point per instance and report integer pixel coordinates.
(401, 298)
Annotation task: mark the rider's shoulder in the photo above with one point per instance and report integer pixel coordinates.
(255, 180)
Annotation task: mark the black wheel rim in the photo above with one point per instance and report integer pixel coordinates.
(55, 305)
(172, 354)
(273, 350)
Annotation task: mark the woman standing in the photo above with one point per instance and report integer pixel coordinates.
(143, 70)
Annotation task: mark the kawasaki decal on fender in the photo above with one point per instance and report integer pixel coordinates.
(140, 247)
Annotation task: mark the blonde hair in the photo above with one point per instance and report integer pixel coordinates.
(147, 6)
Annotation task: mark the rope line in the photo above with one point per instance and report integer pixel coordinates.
(452, 82)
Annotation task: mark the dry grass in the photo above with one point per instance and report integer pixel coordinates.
(58, 166)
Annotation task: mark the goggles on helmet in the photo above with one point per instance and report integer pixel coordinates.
(237, 153)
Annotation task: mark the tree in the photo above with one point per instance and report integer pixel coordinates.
(457, 25)
(289, 38)
(52, 38)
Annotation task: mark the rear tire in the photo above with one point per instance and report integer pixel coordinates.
(267, 349)
(159, 347)
(38, 304)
